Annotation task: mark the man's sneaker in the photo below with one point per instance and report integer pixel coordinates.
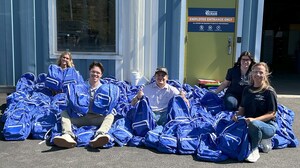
(64, 141)
(266, 145)
(254, 156)
(100, 140)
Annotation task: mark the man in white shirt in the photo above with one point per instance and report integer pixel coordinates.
(159, 94)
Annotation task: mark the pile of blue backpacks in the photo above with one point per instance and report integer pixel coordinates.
(204, 129)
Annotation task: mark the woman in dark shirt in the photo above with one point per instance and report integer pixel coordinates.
(259, 106)
(236, 79)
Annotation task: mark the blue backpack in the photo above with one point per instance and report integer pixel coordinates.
(17, 125)
(42, 121)
(189, 133)
(136, 141)
(212, 103)
(79, 100)
(71, 76)
(54, 77)
(152, 137)
(208, 149)
(175, 83)
(233, 140)
(198, 92)
(143, 118)
(121, 131)
(178, 109)
(16, 97)
(59, 102)
(84, 135)
(41, 84)
(106, 99)
(168, 141)
(53, 132)
(26, 83)
(285, 135)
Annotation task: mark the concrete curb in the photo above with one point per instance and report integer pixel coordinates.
(288, 96)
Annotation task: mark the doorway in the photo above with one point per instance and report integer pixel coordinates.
(281, 36)
(210, 39)
(281, 44)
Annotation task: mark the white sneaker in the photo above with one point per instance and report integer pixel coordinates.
(266, 145)
(253, 156)
(99, 141)
(64, 141)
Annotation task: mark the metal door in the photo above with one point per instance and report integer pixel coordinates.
(210, 39)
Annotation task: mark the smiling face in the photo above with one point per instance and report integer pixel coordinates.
(64, 61)
(245, 62)
(95, 75)
(259, 75)
(161, 79)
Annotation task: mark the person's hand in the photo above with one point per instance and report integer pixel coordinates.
(182, 93)
(235, 118)
(140, 94)
(69, 63)
(248, 120)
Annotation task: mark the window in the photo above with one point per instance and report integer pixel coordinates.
(86, 25)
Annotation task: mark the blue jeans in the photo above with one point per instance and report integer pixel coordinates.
(259, 130)
(160, 117)
(231, 102)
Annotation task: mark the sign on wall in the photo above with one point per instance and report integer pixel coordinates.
(211, 19)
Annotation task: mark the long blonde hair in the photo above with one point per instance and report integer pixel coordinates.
(265, 83)
(70, 62)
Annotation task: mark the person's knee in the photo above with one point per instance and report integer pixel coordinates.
(254, 123)
(252, 126)
(231, 103)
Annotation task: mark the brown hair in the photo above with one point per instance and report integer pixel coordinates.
(250, 56)
(98, 64)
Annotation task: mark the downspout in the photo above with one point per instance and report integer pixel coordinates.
(34, 38)
(259, 25)
(12, 42)
(182, 38)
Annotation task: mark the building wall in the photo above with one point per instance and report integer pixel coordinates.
(6, 40)
(149, 36)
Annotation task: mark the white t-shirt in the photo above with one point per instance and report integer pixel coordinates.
(92, 92)
(159, 97)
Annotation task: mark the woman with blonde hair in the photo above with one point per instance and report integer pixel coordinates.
(259, 106)
(65, 60)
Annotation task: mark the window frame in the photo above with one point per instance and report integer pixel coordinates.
(54, 53)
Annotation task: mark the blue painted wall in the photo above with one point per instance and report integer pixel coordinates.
(24, 41)
(168, 34)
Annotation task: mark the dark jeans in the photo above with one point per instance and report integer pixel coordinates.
(231, 102)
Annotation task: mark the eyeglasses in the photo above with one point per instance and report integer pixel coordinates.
(246, 60)
(257, 72)
(96, 72)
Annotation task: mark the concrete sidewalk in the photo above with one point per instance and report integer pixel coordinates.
(286, 84)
